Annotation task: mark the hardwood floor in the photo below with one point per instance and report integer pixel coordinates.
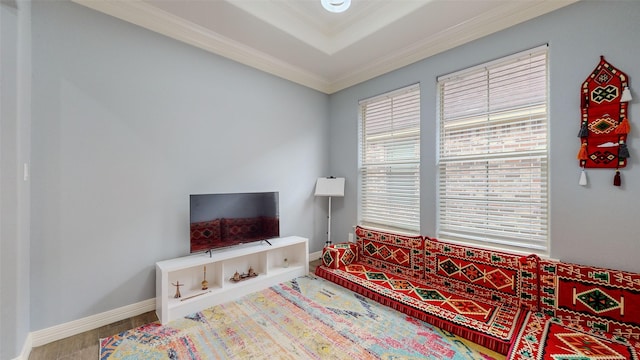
(86, 345)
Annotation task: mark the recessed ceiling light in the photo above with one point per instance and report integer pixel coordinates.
(336, 6)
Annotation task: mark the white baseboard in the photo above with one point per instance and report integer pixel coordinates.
(315, 255)
(75, 327)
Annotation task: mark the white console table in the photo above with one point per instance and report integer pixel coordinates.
(266, 260)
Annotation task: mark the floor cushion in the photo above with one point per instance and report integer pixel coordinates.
(543, 337)
(393, 253)
(490, 324)
(337, 255)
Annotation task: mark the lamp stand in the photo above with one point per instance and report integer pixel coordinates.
(328, 242)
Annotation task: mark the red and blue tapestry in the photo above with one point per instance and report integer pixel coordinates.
(546, 338)
(596, 298)
(397, 254)
(603, 111)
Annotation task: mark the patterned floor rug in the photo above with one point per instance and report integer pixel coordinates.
(307, 318)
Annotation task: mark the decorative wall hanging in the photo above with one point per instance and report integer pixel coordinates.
(604, 124)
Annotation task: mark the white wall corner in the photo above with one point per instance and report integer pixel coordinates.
(26, 348)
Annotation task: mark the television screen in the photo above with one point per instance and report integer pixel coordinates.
(222, 220)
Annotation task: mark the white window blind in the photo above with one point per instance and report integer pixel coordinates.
(493, 157)
(390, 160)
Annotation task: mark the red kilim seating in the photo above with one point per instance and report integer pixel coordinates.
(546, 338)
(489, 323)
(525, 307)
(470, 292)
(589, 313)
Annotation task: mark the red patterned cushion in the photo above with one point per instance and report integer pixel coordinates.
(546, 338)
(338, 255)
(397, 254)
(484, 273)
(601, 299)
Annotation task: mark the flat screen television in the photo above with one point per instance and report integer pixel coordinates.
(223, 220)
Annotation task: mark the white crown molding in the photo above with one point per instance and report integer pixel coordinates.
(157, 20)
(447, 39)
(57, 332)
(154, 19)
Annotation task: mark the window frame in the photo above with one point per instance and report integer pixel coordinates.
(397, 209)
(462, 230)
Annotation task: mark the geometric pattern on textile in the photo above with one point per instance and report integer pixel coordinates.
(307, 318)
(492, 275)
(597, 298)
(484, 273)
(492, 318)
(337, 255)
(598, 301)
(494, 278)
(469, 307)
(547, 338)
(348, 256)
(356, 268)
(603, 125)
(608, 94)
(603, 76)
(393, 253)
(400, 284)
(373, 275)
(427, 294)
(329, 258)
(602, 112)
(602, 157)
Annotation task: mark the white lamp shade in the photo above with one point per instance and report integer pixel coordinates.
(330, 186)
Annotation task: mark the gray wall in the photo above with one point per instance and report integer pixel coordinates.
(127, 124)
(595, 225)
(15, 72)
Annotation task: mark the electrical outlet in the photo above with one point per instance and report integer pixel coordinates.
(350, 237)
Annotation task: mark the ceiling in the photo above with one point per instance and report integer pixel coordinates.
(299, 41)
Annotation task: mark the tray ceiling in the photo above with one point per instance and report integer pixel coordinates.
(299, 41)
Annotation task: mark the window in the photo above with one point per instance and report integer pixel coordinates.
(493, 182)
(390, 160)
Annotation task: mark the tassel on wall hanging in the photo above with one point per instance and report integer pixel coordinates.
(604, 124)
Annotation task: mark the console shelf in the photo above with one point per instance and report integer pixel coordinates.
(266, 260)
